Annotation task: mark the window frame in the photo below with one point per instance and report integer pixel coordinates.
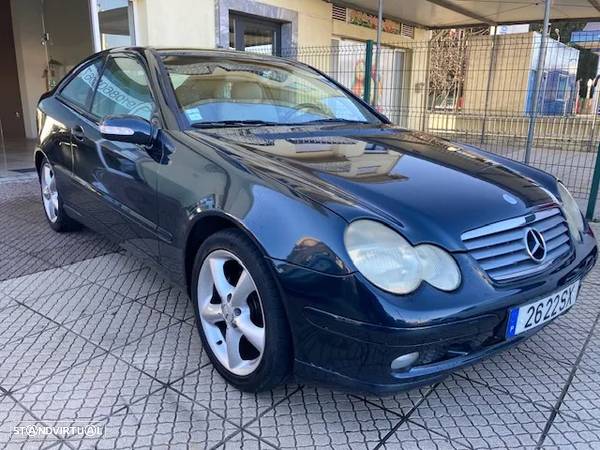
(561, 76)
(156, 115)
(209, 55)
(241, 21)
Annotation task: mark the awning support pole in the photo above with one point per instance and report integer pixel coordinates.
(538, 80)
(378, 52)
(368, 71)
(489, 84)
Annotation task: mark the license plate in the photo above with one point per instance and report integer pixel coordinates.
(526, 317)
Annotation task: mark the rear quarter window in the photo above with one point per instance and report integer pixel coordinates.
(80, 89)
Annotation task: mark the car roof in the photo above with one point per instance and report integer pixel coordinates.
(200, 52)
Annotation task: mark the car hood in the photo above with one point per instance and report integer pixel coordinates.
(428, 188)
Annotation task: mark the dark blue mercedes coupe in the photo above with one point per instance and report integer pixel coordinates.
(317, 241)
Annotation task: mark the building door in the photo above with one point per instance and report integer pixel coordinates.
(252, 34)
(70, 36)
(67, 37)
(11, 114)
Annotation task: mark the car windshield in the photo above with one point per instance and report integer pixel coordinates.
(220, 92)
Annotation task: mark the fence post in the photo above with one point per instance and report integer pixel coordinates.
(541, 63)
(368, 71)
(591, 207)
(426, 89)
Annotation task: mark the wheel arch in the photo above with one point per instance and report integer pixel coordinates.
(209, 223)
(38, 157)
(205, 225)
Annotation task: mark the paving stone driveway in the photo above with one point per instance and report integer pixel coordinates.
(89, 335)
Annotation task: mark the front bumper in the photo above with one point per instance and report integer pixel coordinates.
(415, 377)
(346, 332)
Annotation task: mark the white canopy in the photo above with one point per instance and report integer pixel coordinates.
(457, 13)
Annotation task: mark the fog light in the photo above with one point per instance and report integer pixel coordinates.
(404, 361)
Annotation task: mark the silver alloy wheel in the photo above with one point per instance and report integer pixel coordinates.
(49, 192)
(231, 312)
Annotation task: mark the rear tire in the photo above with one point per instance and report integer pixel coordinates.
(240, 314)
(54, 209)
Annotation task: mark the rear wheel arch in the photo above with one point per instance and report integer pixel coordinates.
(38, 159)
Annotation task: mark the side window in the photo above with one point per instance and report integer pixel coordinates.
(123, 89)
(80, 89)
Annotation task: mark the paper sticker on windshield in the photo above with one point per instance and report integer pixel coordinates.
(193, 114)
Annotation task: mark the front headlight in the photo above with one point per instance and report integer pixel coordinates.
(391, 263)
(572, 212)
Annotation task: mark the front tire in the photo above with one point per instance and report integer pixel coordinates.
(53, 207)
(239, 313)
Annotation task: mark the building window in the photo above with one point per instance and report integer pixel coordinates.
(255, 26)
(561, 88)
(115, 23)
(255, 35)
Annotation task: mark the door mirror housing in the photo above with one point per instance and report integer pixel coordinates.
(131, 129)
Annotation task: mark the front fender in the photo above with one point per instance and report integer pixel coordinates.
(200, 180)
(292, 229)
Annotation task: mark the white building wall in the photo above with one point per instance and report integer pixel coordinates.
(31, 57)
(181, 23)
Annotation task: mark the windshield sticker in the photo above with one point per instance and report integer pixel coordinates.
(193, 114)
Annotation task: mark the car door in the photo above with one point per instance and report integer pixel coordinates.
(119, 179)
(58, 115)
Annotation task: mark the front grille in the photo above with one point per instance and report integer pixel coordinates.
(501, 251)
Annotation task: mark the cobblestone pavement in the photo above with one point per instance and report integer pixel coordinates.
(90, 336)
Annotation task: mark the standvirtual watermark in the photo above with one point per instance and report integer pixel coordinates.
(36, 430)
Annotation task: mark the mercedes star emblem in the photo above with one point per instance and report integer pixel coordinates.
(535, 245)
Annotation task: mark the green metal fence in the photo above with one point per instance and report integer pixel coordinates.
(478, 90)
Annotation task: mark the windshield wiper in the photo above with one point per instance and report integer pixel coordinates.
(331, 120)
(245, 123)
(233, 123)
